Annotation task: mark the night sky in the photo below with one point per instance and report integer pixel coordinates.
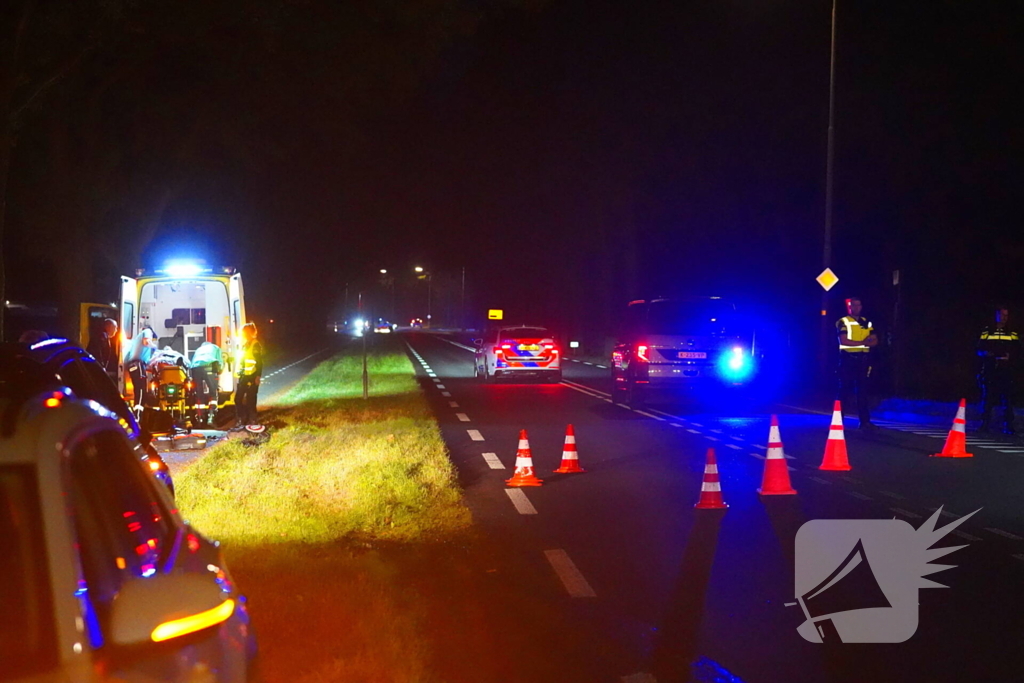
(569, 155)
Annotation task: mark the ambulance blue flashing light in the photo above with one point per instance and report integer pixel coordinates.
(735, 365)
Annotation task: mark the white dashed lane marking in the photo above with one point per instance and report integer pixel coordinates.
(462, 417)
(441, 386)
(966, 536)
(446, 394)
(453, 404)
(758, 456)
(858, 495)
(492, 461)
(571, 577)
(906, 513)
(733, 446)
(475, 435)
(522, 503)
(1004, 534)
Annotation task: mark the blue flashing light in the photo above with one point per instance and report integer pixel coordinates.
(735, 365)
(47, 342)
(184, 268)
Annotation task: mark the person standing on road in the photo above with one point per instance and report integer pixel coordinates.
(103, 347)
(856, 340)
(207, 362)
(999, 350)
(249, 370)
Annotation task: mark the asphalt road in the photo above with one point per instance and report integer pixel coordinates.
(657, 586)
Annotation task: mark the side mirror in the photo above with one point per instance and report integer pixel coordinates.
(165, 606)
(478, 343)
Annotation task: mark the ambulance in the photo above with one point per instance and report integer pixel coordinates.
(186, 304)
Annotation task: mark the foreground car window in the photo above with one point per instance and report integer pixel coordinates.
(123, 529)
(28, 641)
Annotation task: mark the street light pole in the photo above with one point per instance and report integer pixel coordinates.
(826, 333)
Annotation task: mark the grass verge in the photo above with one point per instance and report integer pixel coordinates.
(298, 513)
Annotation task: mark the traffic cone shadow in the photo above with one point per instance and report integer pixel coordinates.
(676, 646)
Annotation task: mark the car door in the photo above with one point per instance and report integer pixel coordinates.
(125, 530)
(128, 307)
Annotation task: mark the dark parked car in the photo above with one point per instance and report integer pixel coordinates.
(71, 366)
(674, 345)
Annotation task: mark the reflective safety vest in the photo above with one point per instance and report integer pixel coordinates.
(998, 346)
(249, 360)
(856, 329)
(999, 335)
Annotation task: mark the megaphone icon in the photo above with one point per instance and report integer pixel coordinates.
(851, 586)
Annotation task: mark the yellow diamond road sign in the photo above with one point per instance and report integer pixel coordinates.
(827, 279)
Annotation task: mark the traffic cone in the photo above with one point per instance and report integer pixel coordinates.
(570, 459)
(956, 442)
(523, 476)
(776, 474)
(711, 487)
(835, 448)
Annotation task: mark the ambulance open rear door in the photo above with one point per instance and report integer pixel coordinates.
(236, 300)
(129, 323)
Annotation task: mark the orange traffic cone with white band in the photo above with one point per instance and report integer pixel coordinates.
(956, 442)
(570, 459)
(711, 487)
(776, 474)
(523, 476)
(835, 448)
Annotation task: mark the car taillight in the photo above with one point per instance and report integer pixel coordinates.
(642, 351)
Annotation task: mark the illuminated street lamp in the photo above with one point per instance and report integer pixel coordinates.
(383, 271)
(418, 269)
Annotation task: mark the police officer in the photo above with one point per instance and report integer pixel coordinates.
(249, 370)
(856, 340)
(999, 350)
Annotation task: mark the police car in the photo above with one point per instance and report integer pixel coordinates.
(668, 345)
(523, 351)
(101, 579)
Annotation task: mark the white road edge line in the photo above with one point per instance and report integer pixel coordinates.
(455, 343)
(522, 503)
(571, 577)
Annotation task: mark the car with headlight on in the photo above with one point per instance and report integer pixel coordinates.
(100, 577)
(520, 352)
(685, 344)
